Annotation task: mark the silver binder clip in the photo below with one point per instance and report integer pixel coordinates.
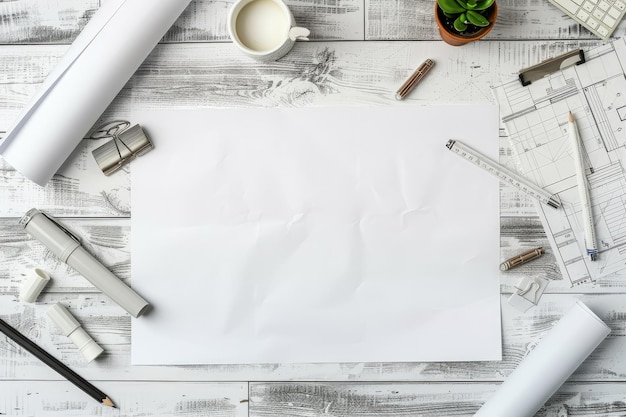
(127, 144)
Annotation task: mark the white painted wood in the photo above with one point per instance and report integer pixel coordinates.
(62, 399)
(415, 399)
(360, 53)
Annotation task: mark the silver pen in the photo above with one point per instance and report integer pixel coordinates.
(66, 247)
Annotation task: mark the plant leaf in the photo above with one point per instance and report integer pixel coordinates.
(463, 4)
(484, 4)
(450, 6)
(477, 19)
(459, 23)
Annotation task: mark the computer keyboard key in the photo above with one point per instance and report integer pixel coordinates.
(614, 13)
(588, 6)
(582, 15)
(593, 23)
(619, 5)
(604, 5)
(598, 14)
(603, 31)
(568, 5)
(609, 21)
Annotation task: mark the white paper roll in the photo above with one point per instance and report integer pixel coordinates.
(98, 64)
(546, 368)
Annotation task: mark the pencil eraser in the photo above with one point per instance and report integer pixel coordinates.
(36, 280)
(71, 328)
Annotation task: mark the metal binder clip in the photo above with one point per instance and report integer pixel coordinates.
(127, 144)
(547, 67)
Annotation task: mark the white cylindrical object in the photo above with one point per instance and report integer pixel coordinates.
(100, 62)
(35, 282)
(559, 353)
(71, 328)
(62, 244)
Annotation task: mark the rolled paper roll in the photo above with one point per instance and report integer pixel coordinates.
(559, 353)
(75, 94)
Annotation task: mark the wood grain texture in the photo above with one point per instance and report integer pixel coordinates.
(61, 399)
(360, 53)
(398, 400)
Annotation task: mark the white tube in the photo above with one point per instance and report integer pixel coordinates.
(35, 282)
(547, 367)
(96, 67)
(71, 328)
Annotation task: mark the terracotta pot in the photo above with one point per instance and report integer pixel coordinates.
(457, 40)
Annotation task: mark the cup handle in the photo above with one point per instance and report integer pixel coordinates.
(298, 33)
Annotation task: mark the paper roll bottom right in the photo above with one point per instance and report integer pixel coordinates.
(559, 353)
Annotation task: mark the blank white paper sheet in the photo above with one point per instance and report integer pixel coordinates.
(347, 234)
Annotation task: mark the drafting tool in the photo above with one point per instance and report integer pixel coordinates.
(521, 259)
(583, 190)
(55, 364)
(549, 66)
(504, 174)
(414, 79)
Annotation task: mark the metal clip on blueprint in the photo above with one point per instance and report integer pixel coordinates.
(127, 144)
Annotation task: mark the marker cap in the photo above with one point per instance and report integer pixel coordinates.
(35, 282)
(71, 328)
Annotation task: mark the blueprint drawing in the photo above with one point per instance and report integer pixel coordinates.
(536, 119)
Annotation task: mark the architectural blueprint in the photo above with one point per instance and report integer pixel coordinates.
(536, 120)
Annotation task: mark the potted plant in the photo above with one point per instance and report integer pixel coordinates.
(463, 21)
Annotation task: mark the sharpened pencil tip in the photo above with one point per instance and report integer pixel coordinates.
(571, 117)
(107, 401)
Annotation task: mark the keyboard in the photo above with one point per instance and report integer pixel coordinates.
(600, 17)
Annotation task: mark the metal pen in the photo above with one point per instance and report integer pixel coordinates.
(415, 78)
(521, 259)
(67, 247)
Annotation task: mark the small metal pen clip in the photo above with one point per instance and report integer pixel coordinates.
(127, 144)
(30, 214)
(60, 226)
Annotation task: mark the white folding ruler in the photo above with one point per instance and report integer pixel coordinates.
(504, 174)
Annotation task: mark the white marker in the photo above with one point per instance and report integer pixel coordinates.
(504, 174)
(583, 190)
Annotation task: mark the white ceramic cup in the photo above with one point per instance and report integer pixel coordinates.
(264, 29)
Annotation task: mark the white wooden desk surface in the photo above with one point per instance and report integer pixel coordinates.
(360, 52)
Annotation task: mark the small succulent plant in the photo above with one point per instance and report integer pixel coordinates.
(466, 13)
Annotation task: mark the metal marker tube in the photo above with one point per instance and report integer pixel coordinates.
(521, 259)
(67, 248)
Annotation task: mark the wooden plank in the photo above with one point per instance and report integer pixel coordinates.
(62, 399)
(415, 399)
(110, 326)
(60, 22)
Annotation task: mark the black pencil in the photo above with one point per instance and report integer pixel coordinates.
(55, 364)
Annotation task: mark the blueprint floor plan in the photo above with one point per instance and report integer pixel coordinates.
(536, 118)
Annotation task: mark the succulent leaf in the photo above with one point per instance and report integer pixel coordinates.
(450, 6)
(477, 19)
(459, 23)
(484, 4)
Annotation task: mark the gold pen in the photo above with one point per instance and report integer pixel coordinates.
(415, 78)
(521, 259)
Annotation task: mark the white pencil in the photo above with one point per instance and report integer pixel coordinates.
(583, 190)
